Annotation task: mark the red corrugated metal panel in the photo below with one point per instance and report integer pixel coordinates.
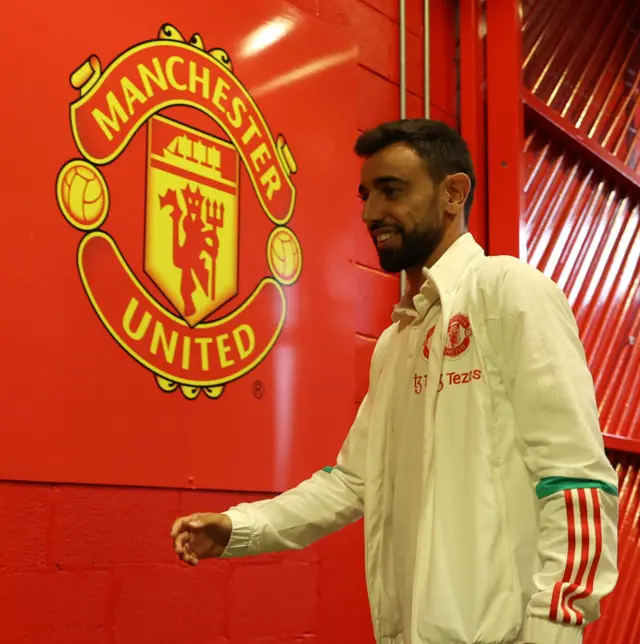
(584, 233)
(620, 622)
(583, 60)
(581, 71)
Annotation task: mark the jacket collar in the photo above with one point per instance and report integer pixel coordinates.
(443, 277)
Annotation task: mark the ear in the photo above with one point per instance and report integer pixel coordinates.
(457, 187)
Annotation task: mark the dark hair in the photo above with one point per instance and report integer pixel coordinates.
(442, 148)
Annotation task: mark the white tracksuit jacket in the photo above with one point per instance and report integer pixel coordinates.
(477, 461)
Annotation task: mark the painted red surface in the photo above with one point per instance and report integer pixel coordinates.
(504, 126)
(112, 306)
(93, 564)
(473, 98)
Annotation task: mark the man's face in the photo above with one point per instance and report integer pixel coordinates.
(400, 208)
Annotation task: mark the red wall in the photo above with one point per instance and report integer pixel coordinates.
(89, 565)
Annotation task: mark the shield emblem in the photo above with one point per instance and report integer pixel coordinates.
(191, 227)
(454, 334)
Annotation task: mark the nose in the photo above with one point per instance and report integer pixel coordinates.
(371, 213)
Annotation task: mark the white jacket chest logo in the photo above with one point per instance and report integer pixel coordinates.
(459, 334)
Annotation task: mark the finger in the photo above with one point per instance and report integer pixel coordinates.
(178, 526)
(188, 557)
(180, 542)
(185, 522)
(192, 560)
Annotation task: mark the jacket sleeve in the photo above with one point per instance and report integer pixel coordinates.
(547, 379)
(328, 501)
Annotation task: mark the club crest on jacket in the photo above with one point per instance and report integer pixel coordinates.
(458, 340)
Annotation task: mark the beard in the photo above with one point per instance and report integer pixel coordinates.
(416, 248)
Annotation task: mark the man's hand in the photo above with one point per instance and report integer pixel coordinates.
(200, 536)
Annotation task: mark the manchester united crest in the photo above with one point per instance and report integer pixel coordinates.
(193, 216)
(458, 336)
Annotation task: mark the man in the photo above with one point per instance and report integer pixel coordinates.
(476, 456)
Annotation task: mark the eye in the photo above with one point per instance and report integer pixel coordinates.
(390, 192)
(361, 196)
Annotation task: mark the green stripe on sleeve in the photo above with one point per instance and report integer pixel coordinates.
(554, 484)
(327, 469)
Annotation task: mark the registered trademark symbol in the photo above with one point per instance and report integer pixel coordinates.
(258, 389)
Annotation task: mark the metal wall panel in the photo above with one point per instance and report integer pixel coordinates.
(584, 233)
(620, 622)
(582, 58)
(581, 225)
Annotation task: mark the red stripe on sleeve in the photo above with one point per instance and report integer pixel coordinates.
(571, 553)
(597, 525)
(584, 559)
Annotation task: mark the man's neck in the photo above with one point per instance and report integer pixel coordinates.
(415, 277)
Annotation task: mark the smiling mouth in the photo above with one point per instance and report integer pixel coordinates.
(383, 240)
